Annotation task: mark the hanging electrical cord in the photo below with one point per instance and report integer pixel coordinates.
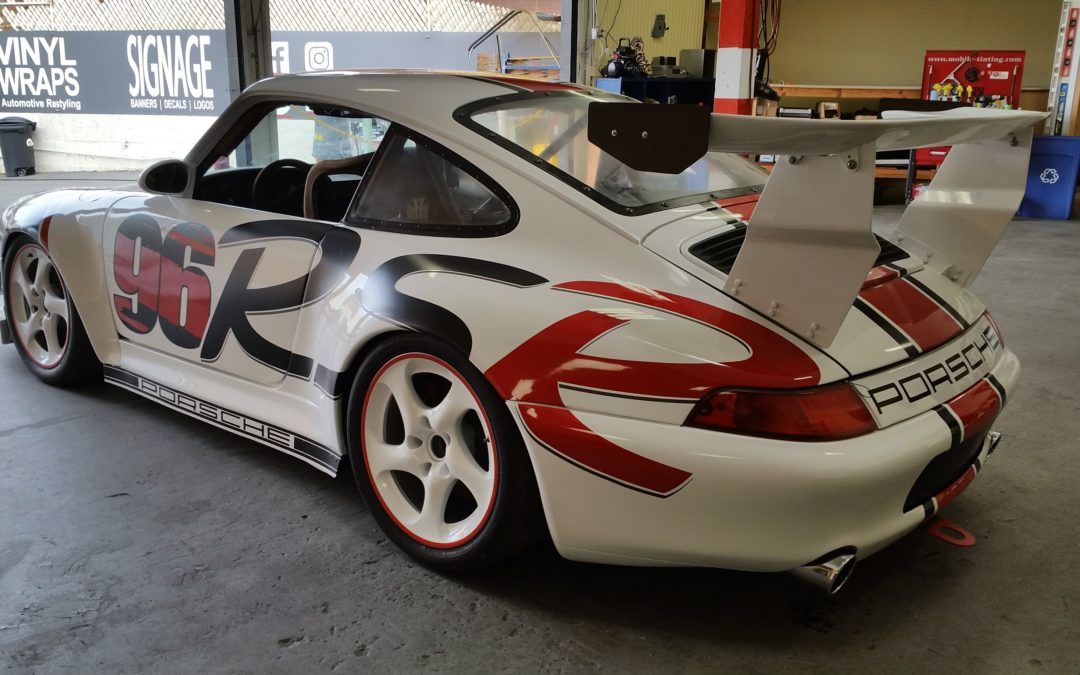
(768, 34)
(614, 18)
(598, 62)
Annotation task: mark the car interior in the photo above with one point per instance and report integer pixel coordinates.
(416, 183)
(317, 161)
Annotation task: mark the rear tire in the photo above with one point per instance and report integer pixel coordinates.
(438, 458)
(48, 333)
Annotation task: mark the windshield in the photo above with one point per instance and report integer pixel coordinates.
(555, 129)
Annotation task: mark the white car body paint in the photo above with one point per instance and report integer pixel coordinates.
(748, 503)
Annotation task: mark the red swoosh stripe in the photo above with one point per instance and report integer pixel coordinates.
(953, 491)
(922, 319)
(976, 408)
(569, 438)
(532, 374)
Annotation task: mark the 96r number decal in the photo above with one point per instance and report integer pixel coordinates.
(157, 288)
(150, 272)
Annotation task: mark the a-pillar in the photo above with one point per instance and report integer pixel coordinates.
(735, 57)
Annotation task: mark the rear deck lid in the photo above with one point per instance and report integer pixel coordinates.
(903, 310)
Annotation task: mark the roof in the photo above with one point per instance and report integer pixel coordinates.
(419, 98)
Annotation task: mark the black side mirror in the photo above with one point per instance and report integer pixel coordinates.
(169, 177)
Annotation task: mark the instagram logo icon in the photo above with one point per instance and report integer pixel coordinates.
(318, 56)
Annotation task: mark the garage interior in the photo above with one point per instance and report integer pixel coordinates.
(134, 539)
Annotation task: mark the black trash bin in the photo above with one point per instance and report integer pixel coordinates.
(16, 146)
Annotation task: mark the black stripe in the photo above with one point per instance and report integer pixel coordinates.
(997, 385)
(123, 376)
(316, 451)
(382, 298)
(633, 397)
(902, 271)
(955, 429)
(977, 465)
(885, 325)
(939, 300)
(928, 509)
(330, 381)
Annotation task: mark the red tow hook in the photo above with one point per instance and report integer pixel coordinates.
(950, 532)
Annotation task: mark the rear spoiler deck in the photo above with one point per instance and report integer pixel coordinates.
(809, 245)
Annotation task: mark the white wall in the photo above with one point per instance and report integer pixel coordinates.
(111, 142)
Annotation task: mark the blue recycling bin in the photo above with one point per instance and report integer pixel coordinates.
(1052, 174)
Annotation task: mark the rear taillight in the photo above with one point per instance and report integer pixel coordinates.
(827, 413)
(993, 324)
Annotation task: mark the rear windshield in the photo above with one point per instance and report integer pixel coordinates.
(555, 129)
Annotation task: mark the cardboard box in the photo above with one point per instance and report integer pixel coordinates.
(828, 110)
(866, 117)
(763, 107)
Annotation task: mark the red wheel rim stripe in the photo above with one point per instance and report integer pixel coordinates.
(494, 454)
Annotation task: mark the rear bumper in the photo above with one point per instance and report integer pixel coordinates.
(752, 503)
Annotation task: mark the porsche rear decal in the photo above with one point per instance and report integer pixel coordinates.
(972, 358)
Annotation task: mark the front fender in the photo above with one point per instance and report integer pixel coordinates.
(68, 224)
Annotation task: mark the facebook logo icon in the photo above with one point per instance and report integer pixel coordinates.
(279, 57)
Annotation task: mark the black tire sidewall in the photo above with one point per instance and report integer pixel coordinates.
(511, 524)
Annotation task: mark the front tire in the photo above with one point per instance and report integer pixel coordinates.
(438, 458)
(49, 335)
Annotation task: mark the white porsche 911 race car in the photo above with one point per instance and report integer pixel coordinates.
(521, 307)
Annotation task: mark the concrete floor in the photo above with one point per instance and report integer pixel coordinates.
(133, 539)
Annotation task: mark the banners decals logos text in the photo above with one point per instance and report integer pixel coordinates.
(114, 72)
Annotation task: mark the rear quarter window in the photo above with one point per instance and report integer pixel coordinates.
(417, 186)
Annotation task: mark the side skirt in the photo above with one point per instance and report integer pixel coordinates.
(315, 454)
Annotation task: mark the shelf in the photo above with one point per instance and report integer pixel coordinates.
(834, 91)
(899, 173)
(838, 91)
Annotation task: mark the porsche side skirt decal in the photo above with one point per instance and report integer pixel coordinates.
(316, 454)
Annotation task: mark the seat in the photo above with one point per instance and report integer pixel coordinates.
(321, 201)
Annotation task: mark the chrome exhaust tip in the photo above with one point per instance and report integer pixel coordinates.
(828, 574)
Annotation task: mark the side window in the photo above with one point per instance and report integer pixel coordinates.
(306, 134)
(298, 160)
(416, 186)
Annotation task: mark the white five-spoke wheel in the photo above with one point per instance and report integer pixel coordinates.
(48, 334)
(437, 457)
(38, 305)
(428, 450)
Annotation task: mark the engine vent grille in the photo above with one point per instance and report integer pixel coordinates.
(720, 251)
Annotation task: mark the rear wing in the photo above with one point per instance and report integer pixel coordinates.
(809, 244)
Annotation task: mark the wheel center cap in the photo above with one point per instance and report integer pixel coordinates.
(437, 447)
